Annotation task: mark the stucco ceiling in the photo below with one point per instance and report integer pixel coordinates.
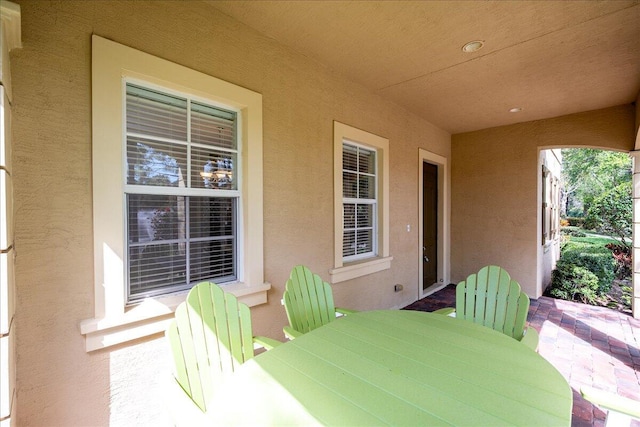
(549, 58)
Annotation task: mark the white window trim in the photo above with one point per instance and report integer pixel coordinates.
(114, 322)
(382, 261)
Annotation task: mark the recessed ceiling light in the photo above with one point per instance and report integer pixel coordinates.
(515, 110)
(473, 46)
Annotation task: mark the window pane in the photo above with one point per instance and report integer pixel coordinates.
(159, 244)
(211, 217)
(365, 216)
(156, 163)
(349, 215)
(364, 241)
(213, 169)
(213, 126)
(349, 243)
(213, 260)
(366, 187)
(349, 185)
(366, 161)
(153, 113)
(155, 267)
(152, 218)
(349, 158)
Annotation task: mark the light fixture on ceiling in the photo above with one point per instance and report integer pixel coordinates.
(473, 46)
(515, 110)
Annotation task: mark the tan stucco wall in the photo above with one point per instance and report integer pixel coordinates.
(58, 382)
(494, 177)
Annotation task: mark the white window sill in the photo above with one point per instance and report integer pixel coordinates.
(153, 315)
(360, 268)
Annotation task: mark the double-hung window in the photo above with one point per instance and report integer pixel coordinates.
(359, 200)
(181, 191)
(177, 191)
(361, 203)
(550, 203)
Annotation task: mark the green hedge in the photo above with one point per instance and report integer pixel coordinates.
(572, 282)
(573, 231)
(597, 259)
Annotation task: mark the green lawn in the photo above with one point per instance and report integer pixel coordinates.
(590, 236)
(594, 239)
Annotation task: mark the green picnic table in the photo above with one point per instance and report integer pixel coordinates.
(396, 367)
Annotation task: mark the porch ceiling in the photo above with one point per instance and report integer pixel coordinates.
(549, 58)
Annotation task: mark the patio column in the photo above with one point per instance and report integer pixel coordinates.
(635, 287)
(10, 38)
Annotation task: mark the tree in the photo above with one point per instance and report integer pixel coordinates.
(612, 211)
(588, 173)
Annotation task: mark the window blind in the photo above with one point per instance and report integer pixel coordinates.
(359, 201)
(175, 144)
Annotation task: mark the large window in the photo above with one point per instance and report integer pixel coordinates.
(361, 188)
(181, 195)
(177, 191)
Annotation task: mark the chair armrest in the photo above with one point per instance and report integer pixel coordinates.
(531, 338)
(447, 311)
(266, 343)
(345, 311)
(291, 333)
(612, 402)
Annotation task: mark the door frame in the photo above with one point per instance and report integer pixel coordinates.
(443, 220)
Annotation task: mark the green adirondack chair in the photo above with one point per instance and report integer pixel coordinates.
(210, 337)
(308, 301)
(491, 298)
(621, 410)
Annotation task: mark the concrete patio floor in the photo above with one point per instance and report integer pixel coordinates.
(592, 346)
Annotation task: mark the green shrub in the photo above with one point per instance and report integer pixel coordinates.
(573, 231)
(597, 259)
(573, 283)
(622, 255)
(575, 221)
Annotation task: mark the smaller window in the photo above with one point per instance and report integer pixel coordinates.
(361, 203)
(359, 198)
(550, 206)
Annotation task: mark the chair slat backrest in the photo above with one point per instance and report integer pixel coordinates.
(210, 336)
(308, 300)
(491, 298)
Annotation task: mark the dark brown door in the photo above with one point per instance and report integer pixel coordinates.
(429, 224)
